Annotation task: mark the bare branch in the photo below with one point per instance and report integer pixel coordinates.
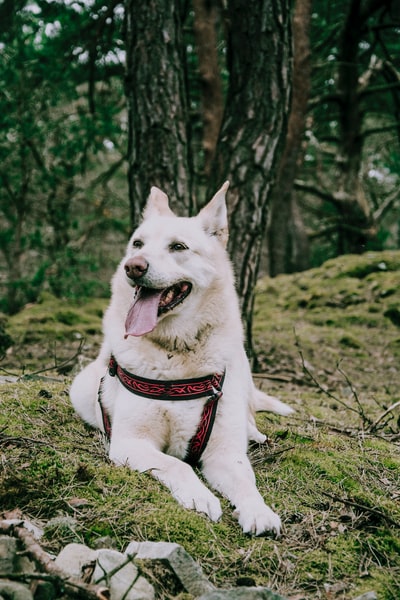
(337, 199)
(316, 382)
(391, 408)
(333, 97)
(373, 511)
(56, 365)
(375, 66)
(72, 587)
(377, 130)
(360, 411)
(385, 206)
(379, 89)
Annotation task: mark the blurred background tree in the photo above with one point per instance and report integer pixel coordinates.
(348, 179)
(62, 145)
(185, 95)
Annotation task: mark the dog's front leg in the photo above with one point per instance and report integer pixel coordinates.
(141, 455)
(233, 476)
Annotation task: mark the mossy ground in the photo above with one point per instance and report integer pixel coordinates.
(328, 342)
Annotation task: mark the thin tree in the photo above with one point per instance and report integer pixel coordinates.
(287, 240)
(253, 131)
(351, 120)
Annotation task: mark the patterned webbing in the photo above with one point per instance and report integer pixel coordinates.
(186, 389)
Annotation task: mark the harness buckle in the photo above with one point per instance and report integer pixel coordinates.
(216, 395)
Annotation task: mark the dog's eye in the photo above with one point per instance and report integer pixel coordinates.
(178, 247)
(137, 244)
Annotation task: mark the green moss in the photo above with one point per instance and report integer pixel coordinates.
(350, 342)
(334, 485)
(57, 316)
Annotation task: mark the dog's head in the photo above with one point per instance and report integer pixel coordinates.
(171, 260)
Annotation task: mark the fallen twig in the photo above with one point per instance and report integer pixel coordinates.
(368, 426)
(55, 367)
(272, 377)
(258, 456)
(360, 410)
(373, 511)
(317, 383)
(71, 586)
(20, 441)
(58, 366)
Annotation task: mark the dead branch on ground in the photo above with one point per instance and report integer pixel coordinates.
(71, 586)
(56, 367)
(369, 426)
(368, 509)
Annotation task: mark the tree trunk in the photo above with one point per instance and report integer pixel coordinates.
(158, 139)
(287, 241)
(355, 219)
(205, 20)
(253, 129)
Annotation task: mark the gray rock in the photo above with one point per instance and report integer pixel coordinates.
(367, 596)
(121, 575)
(176, 560)
(105, 542)
(8, 552)
(74, 559)
(14, 591)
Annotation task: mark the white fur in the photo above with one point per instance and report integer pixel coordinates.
(202, 335)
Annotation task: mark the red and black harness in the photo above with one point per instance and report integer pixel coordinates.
(186, 389)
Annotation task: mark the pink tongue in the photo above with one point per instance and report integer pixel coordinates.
(142, 314)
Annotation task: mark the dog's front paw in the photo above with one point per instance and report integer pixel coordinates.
(261, 520)
(201, 500)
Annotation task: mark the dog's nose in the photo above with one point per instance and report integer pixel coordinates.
(136, 267)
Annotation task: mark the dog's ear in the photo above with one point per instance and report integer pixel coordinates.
(214, 216)
(157, 204)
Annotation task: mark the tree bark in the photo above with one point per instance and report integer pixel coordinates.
(205, 20)
(287, 241)
(158, 138)
(253, 129)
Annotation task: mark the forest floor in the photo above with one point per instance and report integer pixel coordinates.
(328, 343)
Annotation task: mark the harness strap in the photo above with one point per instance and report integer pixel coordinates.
(200, 439)
(156, 389)
(186, 389)
(104, 414)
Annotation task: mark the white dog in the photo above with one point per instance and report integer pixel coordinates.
(178, 389)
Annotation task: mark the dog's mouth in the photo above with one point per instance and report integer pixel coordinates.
(173, 296)
(150, 303)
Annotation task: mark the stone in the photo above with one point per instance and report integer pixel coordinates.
(14, 591)
(176, 560)
(105, 542)
(118, 572)
(8, 552)
(74, 558)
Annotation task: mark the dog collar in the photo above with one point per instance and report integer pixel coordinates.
(185, 389)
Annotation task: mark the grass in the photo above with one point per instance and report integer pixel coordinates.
(328, 343)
